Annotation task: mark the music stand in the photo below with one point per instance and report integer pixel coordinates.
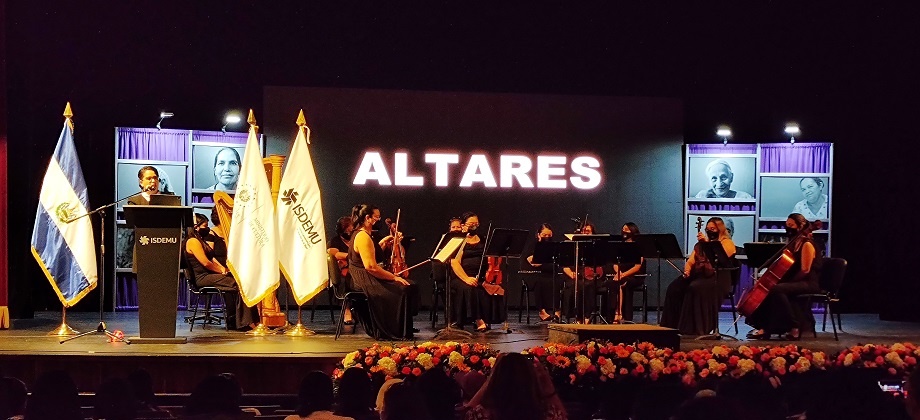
(506, 243)
(619, 253)
(446, 249)
(660, 246)
(578, 240)
(723, 265)
(758, 253)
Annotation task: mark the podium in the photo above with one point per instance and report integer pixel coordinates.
(158, 241)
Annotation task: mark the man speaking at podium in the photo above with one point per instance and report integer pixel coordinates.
(148, 179)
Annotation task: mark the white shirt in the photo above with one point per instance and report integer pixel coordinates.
(802, 207)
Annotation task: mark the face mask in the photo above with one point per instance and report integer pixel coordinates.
(203, 232)
(790, 232)
(712, 235)
(472, 230)
(626, 234)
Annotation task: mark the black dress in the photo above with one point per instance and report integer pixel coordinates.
(780, 312)
(691, 305)
(387, 301)
(470, 303)
(238, 314)
(546, 286)
(629, 285)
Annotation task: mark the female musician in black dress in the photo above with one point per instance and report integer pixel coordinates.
(625, 277)
(469, 299)
(692, 301)
(778, 314)
(588, 283)
(391, 299)
(544, 283)
(202, 256)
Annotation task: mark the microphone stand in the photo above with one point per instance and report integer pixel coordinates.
(101, 328)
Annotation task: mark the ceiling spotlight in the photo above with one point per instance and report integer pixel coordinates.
(792, 130)
(163, 115)
(725, 132)
(233, 118)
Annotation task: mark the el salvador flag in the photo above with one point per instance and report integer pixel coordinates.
(65, 251)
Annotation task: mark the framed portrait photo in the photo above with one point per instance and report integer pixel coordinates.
(720, 178)
(172, 178)
(216, 167)
(124, 247)
(808, 194)
(740, 227)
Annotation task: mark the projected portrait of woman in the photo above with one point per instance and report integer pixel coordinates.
(226, 169)
(720, 177)
(814, 204)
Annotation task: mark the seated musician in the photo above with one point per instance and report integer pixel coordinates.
(338, 248)
(625, 276)
(439, 269)
(201, 256)
(545, 286)
(392, 301)
(469, 298)
(692, 301)
(589, 287)
(778, 314)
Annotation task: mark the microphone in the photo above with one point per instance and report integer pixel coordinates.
(148, 188)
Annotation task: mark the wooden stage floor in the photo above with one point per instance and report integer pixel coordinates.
(26, 350)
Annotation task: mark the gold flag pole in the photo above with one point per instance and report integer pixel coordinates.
(300, 330)
(65, 330)
(260, 329)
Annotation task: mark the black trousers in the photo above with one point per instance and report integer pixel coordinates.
(780, 312)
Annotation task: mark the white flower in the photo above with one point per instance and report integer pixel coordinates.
(802, 365)
(388, 365)
(746, 365)
(455, 359)
(656, 365)
(818, 358)
(778, 363)
(582, 362)
(424, 360)
(350, 359)
(894, 358)
(637, 358)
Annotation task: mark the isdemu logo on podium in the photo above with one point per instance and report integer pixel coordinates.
(145, 240)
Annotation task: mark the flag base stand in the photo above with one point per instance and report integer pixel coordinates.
(100, 329)
(63, 330)
(299, 330)
(260, 331)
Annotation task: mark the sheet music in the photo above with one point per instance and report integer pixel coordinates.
(451, 248)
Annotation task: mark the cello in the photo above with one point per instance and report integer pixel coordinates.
(780, 265)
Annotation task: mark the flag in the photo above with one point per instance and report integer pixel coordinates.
(301, 231)
(252, 248)
(62, 238)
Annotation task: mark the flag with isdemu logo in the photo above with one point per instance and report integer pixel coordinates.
(62, 238)
(301, 230)
(252, 246)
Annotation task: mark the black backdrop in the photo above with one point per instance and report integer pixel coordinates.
(845, 72)
(637, 140)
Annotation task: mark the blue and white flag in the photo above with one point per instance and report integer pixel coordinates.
(62, 240)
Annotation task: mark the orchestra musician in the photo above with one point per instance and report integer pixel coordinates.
(439, 269)
(589, 279)
(545, 291)
(692, 300)
(778, 314)
(625, 277)
(469, 299)
(338, 248)
(389, 296)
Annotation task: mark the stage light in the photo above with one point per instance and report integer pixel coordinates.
(232, 118)
(792, 130)
(163, 115)
(725, 132)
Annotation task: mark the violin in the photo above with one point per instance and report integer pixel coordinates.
(494, 272)
(398, 256)
(782, 262)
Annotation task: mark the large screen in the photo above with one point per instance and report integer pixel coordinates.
(716, 177)
(172, 177)
(216, 167)
(516, 160)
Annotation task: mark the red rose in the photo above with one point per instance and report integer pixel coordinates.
(474, 359)
(417, 372)
(485, 363)
(406, 370)
(368, 360)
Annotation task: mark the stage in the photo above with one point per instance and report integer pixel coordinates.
(274, 364)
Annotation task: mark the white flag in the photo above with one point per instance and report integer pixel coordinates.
(301, 231)
(252, 248)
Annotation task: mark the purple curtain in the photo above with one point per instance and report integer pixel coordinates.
(732, 149)
(795, 158)
(153, 144)
(219, 137)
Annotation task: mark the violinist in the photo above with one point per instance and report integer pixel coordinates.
(692, 301)
(778, 314)
(546, 293)
(588, 287)
(469, 300)
(338, 248)
(389, 296)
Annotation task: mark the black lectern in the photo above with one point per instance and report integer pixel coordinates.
(158, 241)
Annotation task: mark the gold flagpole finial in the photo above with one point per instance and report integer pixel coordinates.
(68, 114)
(301, 121)
(252, 119)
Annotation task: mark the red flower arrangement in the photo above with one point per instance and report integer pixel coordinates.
(406, 361)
